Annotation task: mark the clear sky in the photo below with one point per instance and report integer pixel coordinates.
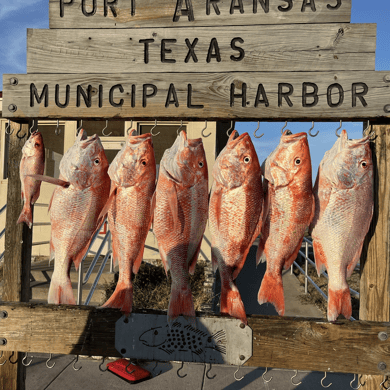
(18, 15)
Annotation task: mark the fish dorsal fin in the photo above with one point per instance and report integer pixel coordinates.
(111, 198)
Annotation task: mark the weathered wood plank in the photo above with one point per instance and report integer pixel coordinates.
(310, 47)
(375, 259)
(298, 343)
(246, 96)
(17, 258)
(151, 13)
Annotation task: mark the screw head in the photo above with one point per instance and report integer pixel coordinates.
(3, 315)
(13, 81)
(383, 336)
(3, 341)
(382, 366)
(242, 326)
(386, 79)
(12, 108)
(387, 108)
(242, 357)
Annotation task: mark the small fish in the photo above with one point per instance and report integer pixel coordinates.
(180, 218)
(130, 210)
(344, 207)
(75, 206)
(33, 162)
(236, 202)
(288, 210)
(183, 338)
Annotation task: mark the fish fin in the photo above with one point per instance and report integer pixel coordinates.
(319, 256)
(152, 208)
(51, 201)
(51, 180)
(271, 290)
(260, 255)
(122, 298)
(339, 303)
(77, 260)
(138, 260)
(52, 251)
(214, 260)
(351, 266)
(26, 215)
(192, 264)
(287, 264)
(217, 195)
(111, 198)
(61, 293)
(231, 303)
(164, 260)
(173, 203)
(181, 303)
(22, 196)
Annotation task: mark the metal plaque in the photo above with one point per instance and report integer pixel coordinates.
(214, 340)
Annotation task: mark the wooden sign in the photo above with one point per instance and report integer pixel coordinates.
(168, 13)
(213, 96)
(204, 49)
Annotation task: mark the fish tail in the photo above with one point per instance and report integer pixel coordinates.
(271, 290)
(181, 303)
(26, 215)
(122, 298)
(61, 293)
(231, 303)
(339, 303)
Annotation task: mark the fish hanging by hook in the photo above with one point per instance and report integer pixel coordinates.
(205, 127)
(230, 128)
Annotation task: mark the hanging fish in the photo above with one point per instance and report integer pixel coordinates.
(180, 217)
(83, 190)
(236, 202)
(130, 210)
(33, 162)
(344, 207)
(288, 210)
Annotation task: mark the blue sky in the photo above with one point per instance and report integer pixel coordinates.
(18, 15)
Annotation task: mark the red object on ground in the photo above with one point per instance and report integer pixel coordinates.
(134, 373)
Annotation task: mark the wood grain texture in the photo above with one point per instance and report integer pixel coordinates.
(212, 90)
(375, 259)
(153, 13)
(341, 347)
(17, 258)
(307, 47)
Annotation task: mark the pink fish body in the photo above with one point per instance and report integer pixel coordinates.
(180, 217)
(130, 209)
(33, 162)
(344, 208)
(75, 210)
(235, 207)
(288, 210)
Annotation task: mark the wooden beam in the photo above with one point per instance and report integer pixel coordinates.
(17, 258)
(151, 13)
(301, 47)
(375, 260)
(273, 96)
(284, 342)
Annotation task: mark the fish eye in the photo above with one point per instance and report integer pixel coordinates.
(143, 162)
(36, 144)
(97, 162)
(363, 164)
(156, 332)
(200, 164)
(297, 161)
(247, 159)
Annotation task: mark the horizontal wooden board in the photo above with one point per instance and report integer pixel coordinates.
(284, 342)
(168, 13)
(214, 96)
(311, 47)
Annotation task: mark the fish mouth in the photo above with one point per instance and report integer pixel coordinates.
(236, 138)
(287, 136)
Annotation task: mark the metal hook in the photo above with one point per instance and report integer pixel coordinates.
(5, 361)
(341, 125)
(11, 357)
(17, 134)
(285, 125)
(207, 373)
(353, 380)
(58, 130)
(265, 380)
(230, 128)
(205, 127)
(371, 134)
(128, 130)
(74, 364)
(79, 128)
(106, 135)
(323, 380)
(25, 357)
(8, 128)
(47, 363)
(151, 130)
(129, 372)
(311, 128)
(178, 130)
(31, 132)
(181, 376)
(238, 379)
(154, 368)
(100, 366)
(258, 127)
(295, 384)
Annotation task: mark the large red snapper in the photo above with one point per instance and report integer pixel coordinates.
(235, 207)
(74, 210)
(33, 162)
(344, 208)
(130, 210)
(288, 210)
(180, 217)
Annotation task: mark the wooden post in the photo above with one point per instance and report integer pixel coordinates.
(17, 259)
(375, 260)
